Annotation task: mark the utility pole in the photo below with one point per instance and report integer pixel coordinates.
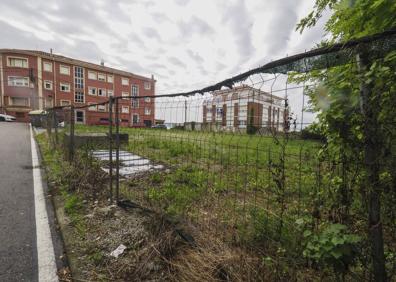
(369, 106)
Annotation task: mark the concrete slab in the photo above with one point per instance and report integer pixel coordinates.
(135, 162)
(130, 164)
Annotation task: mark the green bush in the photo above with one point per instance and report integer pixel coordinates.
(333, 246)
(313, 132)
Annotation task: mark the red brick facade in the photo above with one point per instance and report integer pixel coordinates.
(32, 80)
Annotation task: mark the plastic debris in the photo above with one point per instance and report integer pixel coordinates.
(120, 249)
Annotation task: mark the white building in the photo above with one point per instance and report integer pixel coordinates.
(236, 109)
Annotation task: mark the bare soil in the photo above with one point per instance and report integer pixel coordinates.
(102, 229)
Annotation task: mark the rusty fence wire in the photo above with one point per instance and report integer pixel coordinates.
(235, 162)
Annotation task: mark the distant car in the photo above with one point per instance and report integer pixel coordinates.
(7, 118)
(160, 126)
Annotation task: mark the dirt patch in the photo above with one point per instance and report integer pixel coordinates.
(102, 229)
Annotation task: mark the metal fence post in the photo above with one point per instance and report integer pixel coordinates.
(71, 141)
(49, 128)
(111, 147)
(372, 151)
(117, 150)
(55, 124)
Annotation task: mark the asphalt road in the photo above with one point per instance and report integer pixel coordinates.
(18, 254)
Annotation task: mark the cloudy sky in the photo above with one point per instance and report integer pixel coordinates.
(185, 43)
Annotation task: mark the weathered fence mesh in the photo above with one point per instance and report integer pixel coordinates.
(233, 161)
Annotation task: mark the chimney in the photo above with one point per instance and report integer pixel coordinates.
(102, 62)
(152, 76)
(51, 51)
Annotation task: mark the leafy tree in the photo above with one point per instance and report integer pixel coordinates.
(356, 109)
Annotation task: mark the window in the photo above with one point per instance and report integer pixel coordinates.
(125, 94)
(110, 78)
(92, 91)
(17, 62)
(124, 81)
(147, 111)
(80, 116)
(92, 75)
(135, 119)
(101, 77)
(147, 85)
(65, 87)
(78, 78)
(79, 97)
(19, 101)
(135, 103)
(47, 66)
(110, 93)
(135, 90)
(125, 110)
(47, 84)
(64, 102)
(101, 108)
(92, 108)
(64, 70)
(101, 92)
(147, 99)
(18, 81)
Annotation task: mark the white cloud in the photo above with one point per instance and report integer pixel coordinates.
(185, 44)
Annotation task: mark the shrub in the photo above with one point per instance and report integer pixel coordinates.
(312, 133)
(333, 246)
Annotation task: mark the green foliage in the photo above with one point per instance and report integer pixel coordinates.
(96, 257)
(59, 173)
(264, 225)
(179, 190)
(332, 247)
(349, 128)
(312, 18)
(352, 18)
(156, 178)
(313, 132)
(72, 203)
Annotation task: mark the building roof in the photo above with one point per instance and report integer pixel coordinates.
(246, 87)
(63, 59)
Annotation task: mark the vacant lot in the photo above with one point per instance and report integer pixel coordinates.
(243, 187)
(250, 204)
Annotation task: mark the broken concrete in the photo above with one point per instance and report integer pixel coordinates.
(130, 164)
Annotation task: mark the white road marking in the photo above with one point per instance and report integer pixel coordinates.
(45, 249)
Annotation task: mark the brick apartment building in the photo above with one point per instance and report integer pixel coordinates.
(235, 109)
(35, 80)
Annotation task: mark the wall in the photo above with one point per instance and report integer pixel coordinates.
(55, 96)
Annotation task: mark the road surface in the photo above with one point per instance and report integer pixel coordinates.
(18, 206)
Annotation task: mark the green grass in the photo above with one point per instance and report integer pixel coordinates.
(57, 174)
(247, 189)
(224, 177)
(230, 180)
